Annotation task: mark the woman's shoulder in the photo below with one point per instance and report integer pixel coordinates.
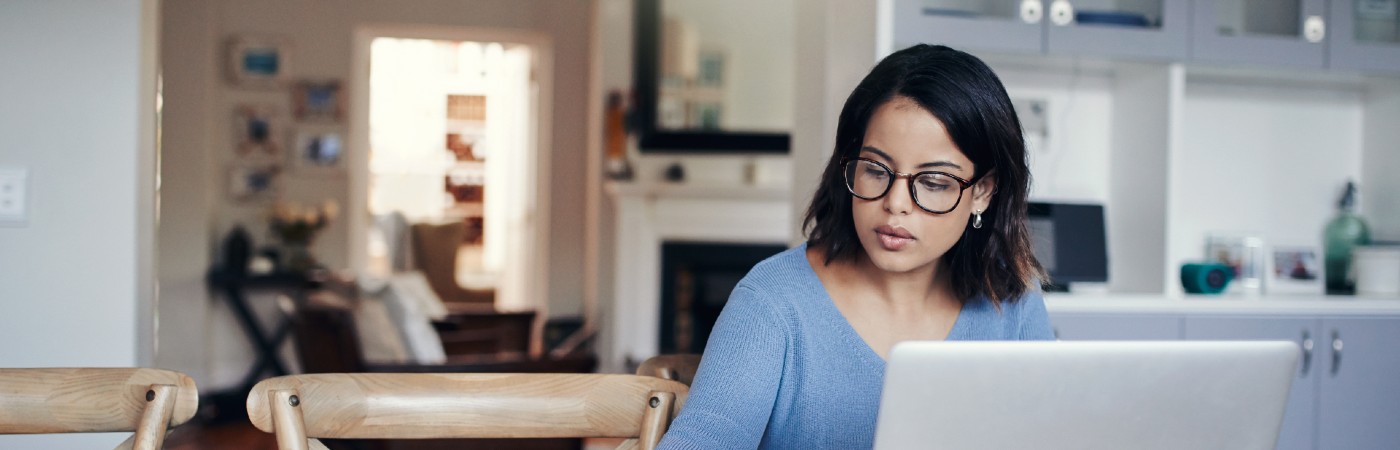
(780, 271)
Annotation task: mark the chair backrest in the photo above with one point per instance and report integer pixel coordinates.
(463, 405)
(435, 254)
(74, 400)
(677, 367)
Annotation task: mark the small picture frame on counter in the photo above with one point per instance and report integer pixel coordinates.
(1245, 255)
(1294, 269)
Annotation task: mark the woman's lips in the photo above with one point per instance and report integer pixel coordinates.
(893, 238)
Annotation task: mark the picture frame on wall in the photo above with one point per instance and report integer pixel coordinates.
(254, 182)
(258, 62)
(1245, 255)
(1294, 268)
(318, 101)
(319, 150)
(258, 132)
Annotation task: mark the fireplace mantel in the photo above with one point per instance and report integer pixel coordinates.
(648, 214)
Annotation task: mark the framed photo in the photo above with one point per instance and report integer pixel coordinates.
(253, 182)
(1244, 254)
(258, 132)
(318, 101)
(259, 62)
(1294, 269)
(319, 149)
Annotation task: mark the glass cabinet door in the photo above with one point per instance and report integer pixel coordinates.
(1365, 35)
(1137, 29)
(1012, 26)
(1287, 33)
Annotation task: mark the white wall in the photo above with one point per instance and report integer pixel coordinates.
(198, 142)
(77, 109)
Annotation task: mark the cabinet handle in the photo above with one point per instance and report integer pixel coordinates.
(1336, 352)
(1031, 12)
(1061, 12)
(1307, 352)
(1314, 29)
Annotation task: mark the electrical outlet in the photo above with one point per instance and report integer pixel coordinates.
(14, 187)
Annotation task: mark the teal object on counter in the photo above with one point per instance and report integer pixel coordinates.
(1344, 232)
(1206, 278)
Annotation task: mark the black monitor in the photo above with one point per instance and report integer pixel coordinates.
(1070, 243)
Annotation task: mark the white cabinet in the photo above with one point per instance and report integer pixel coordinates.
(1131, 29)
(1116, 327)
(1347, 391)
(1359, 398)
(1364, 35)
(1299, 421)
(1278, 33)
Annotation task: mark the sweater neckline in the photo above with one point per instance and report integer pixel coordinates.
(843, 326)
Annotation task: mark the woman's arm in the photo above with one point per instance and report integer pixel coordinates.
(737, 382)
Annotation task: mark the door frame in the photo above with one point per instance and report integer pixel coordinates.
(532, 289)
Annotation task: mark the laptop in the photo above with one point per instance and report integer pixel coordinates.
(1085, 395)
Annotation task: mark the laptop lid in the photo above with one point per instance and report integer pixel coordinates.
(1085, 395)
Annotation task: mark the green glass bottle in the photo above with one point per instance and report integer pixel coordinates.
(1344, 232)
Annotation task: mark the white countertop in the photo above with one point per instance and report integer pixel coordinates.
(1310, 305)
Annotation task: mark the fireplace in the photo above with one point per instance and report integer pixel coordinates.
(696, 279)
(724, 221)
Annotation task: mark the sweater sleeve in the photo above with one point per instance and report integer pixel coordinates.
(1034, 319)
(736, 385)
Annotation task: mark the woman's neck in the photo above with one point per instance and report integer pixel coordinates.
(913, 291)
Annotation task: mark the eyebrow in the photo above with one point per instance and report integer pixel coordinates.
(888, 159)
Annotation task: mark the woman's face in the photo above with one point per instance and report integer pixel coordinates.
(897, 234)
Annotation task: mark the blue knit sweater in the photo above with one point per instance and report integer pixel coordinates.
(783, 369)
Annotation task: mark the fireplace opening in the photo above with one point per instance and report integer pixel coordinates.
(696, 279)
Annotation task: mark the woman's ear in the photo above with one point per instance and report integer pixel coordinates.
(983, 190)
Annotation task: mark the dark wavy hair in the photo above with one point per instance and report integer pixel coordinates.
(962, 92)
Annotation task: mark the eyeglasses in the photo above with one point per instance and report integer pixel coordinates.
(935, 192)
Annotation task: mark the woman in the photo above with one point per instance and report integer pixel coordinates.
(917, 232)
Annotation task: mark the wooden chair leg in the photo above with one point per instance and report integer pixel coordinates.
(657, 418)
(287, 422)
(155, 420)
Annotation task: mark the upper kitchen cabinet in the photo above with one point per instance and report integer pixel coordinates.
(1363, 35)
(1132, 29)
(1280, 33)
(1124, 29)
(1013, 26)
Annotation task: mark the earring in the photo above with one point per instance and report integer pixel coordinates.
(977, 219)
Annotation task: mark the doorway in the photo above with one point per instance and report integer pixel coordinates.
(450, 124)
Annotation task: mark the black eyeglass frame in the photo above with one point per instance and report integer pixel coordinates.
(962, 184)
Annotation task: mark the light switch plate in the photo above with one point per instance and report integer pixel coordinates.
(14, 196)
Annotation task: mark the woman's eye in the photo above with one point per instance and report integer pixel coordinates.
(930, 184)
(875, 172)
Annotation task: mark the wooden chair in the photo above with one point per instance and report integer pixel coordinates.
(678, 367)
(146, 401)
(300, 408)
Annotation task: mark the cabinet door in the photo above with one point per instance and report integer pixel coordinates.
(1280, 33)
(1132, 29)
(1116, 327)
(1360, 395)
(995, 25)
(1364, 35)
(1300, 418)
